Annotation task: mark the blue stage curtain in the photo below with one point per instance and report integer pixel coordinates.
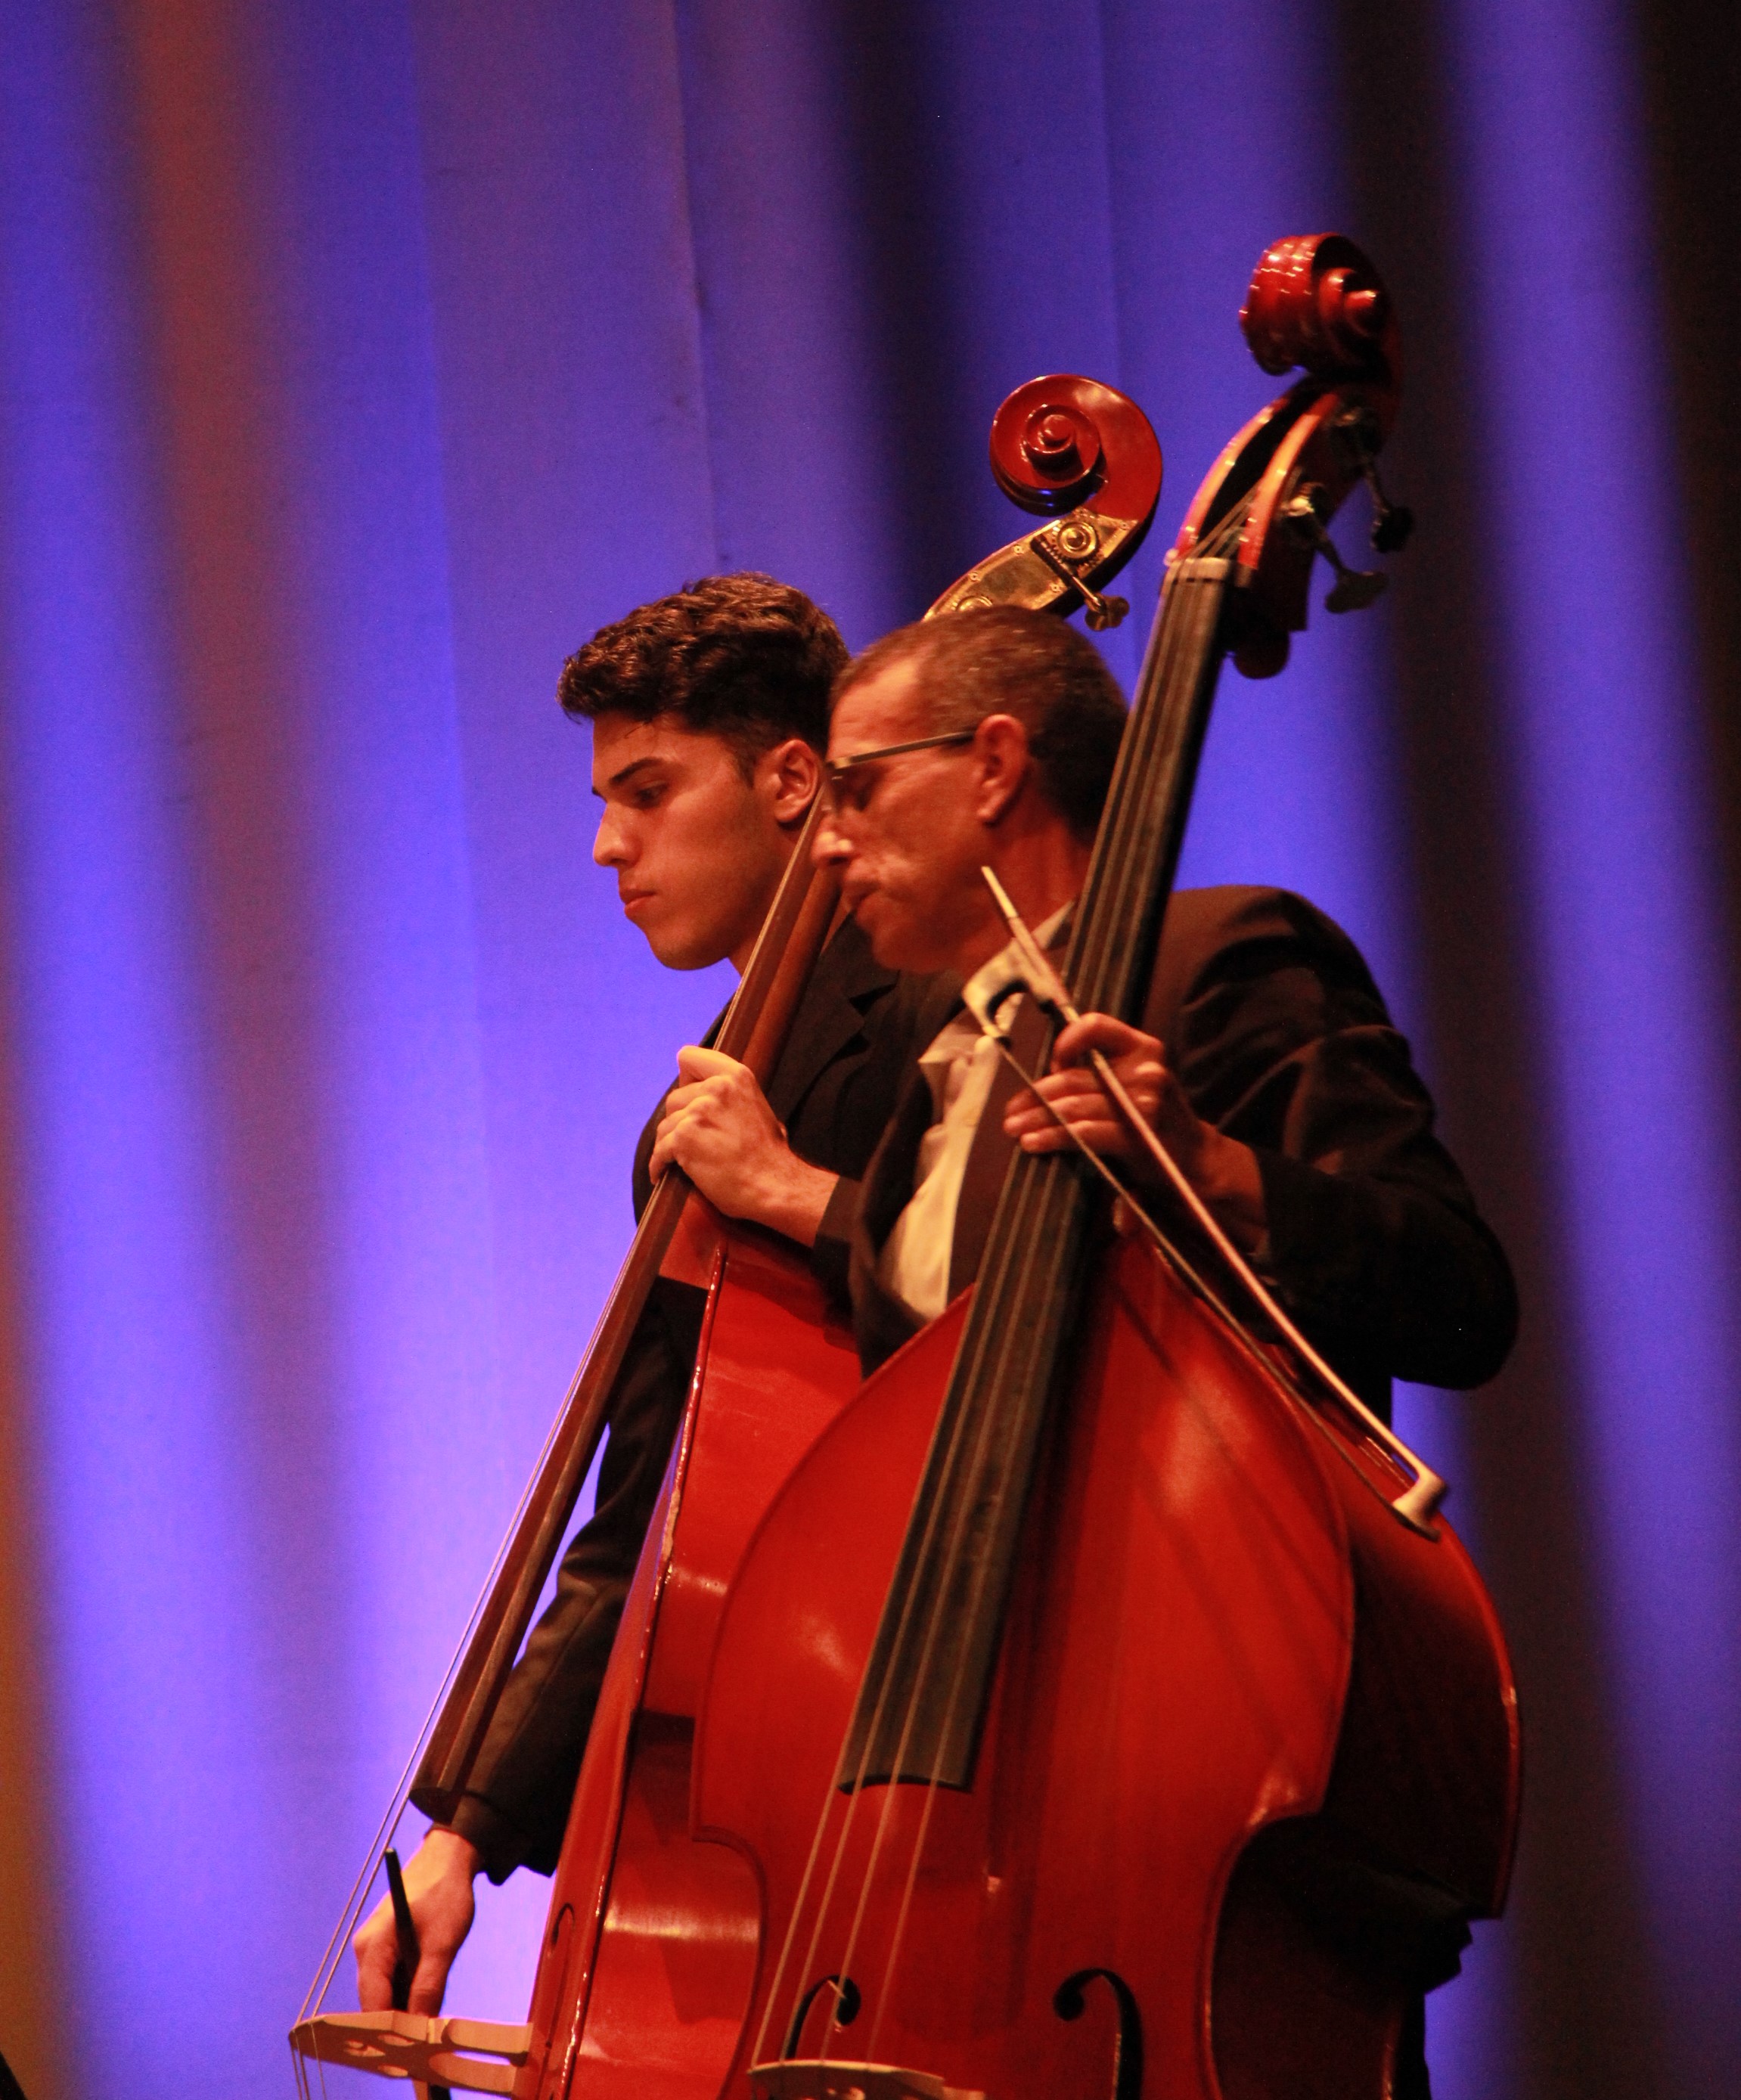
(355, 364)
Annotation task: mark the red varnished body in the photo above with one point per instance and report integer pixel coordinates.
(651, 1947)
(1205, 1640)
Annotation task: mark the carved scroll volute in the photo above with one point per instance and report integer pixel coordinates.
(1084, 456)
(1317, 302)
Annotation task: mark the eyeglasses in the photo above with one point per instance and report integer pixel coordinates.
(834, 770)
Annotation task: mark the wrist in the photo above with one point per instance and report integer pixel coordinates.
(450, 1852)
(794, 1199)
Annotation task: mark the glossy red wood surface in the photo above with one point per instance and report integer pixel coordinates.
(652, 1938)
(1068, 449)
(1064, 441)
(1176, 1677)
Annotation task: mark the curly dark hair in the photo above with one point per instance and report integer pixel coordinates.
(1005, 660)
(738, 657)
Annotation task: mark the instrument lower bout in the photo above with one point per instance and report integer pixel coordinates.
(1182, 1646)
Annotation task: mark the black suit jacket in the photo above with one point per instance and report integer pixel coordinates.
(850, 1045)
(1275, 1029)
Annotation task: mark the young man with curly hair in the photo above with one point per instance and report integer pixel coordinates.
(709, 712)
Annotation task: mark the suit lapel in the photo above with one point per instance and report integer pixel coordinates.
(882, 1320)
(847, 980)
(888, 1179)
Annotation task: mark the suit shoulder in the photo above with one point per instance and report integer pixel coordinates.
(1239, 931)
(1202, 924)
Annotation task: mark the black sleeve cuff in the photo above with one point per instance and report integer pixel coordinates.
(501, 1845)
(831, 1255)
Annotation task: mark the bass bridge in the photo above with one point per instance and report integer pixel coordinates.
(828, 2078)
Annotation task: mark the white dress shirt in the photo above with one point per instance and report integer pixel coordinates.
(961, 1064)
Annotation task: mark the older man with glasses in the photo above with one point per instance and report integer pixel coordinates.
(1267, 1063)
(1283, 1091)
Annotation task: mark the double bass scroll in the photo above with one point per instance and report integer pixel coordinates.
(1083, 456)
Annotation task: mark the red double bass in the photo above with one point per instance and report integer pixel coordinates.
(1102, 1706)
(774, 1366)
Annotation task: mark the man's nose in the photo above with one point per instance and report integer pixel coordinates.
(828, 844)
(608, 847)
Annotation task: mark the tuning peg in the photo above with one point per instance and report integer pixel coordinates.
(1392, 522)
(1103, 612)
(1356, 434)
(1354, 588)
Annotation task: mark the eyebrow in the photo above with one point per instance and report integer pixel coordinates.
(627, 773)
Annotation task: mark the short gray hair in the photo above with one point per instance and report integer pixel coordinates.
(1005, 660)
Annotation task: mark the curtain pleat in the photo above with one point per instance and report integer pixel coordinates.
(355, 366)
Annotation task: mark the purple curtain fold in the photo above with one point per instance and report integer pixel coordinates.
(355, 365)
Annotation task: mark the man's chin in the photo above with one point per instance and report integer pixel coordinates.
(681, 948)
(680, 955)
(895, 941)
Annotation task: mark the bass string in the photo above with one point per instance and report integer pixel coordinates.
(947, 1466)
(969, 1372)
(390, 1820)
(1159, 707)
(968, 1378)
(1112, 843)
(1119, 866)
(1196, 624)
(1024, 1238)
(1181, 642)
(772, 2004)
(1182, 628)
(981, 1368)
(1008, 1343)
(351, 1915)
(398, 1801)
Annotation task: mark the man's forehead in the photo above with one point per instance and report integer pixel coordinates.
(620, 743)
(882, 710)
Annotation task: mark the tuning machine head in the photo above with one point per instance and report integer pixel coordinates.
(1356, 438)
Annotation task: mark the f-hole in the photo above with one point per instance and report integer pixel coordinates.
(1068, 2001)
(846, 2009)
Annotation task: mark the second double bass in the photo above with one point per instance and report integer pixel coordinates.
(1142, 1726)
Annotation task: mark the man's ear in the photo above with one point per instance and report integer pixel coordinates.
(1005, 761)
(789, 774)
